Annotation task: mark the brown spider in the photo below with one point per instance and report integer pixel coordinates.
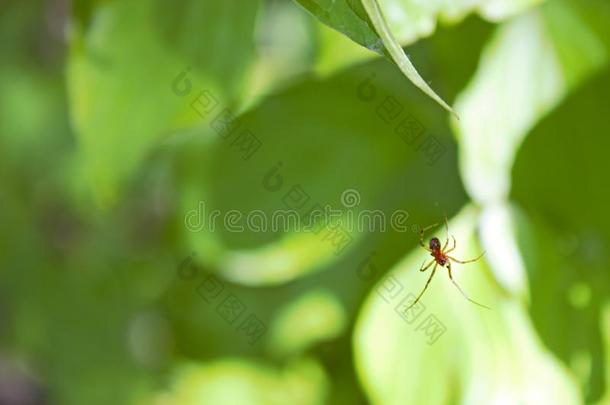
(440, 256)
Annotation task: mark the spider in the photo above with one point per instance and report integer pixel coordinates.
(441, 257)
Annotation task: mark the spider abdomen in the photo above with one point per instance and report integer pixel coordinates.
(439, 257)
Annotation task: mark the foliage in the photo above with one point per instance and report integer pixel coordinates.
(111, 281)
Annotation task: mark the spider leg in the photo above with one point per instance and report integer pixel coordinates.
(424, 268)
(447, 232)
(421, 236)
(463, 293)
(453, 247)
(467, 261)
(425, 287)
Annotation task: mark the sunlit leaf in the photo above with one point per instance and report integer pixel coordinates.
(522, 75)
(605, 328)
(480, 355)
(411, 20)
(314, 317)
(234, 381)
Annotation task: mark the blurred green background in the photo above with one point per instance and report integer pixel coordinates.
(111, 292)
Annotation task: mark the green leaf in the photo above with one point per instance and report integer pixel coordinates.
(395, 50)
(385, 26)
(341, 16)
(449, 350)
(531, 63)
(124, 65)
(564, 233)
(234, 381)
(408, 20)
(363, 21)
